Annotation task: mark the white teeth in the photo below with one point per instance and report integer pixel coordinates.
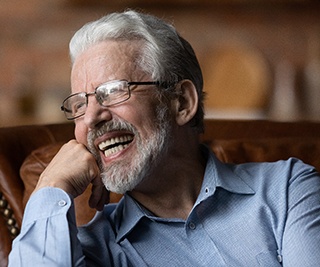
(114, 150)
(104, 145)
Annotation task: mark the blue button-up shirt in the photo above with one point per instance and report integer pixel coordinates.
(253, 214)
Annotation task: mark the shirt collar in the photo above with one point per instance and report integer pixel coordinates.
(127, 214)
(224, 175)
(217, 174)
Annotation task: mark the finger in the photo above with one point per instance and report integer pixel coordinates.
(99, 195)
(105, 198)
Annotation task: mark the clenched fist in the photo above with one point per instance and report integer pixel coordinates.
(72, 170)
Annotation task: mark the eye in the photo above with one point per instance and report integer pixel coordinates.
(112, 93)
(78, 106)
(102, 94)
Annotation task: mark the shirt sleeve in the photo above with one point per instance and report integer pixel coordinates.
(48, 234)
(301, 240)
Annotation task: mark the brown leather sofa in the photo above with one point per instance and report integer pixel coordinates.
(26, 150)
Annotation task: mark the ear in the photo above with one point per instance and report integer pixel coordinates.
(186, 103)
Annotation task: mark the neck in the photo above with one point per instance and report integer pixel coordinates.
(172, 189)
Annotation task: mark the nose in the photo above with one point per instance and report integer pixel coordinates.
(95, 113)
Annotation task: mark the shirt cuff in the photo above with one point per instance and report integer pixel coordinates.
(47, 202)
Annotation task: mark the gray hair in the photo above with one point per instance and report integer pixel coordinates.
(164, 54)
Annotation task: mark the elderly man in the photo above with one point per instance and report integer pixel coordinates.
(137, 103)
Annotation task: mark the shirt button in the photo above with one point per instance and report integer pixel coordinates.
(207, 190)
(192, 225)
(62, 203)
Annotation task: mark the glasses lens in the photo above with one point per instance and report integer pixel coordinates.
(75, 105)
(112, 93)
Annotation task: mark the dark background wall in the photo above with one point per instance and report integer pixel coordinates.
(261, 59)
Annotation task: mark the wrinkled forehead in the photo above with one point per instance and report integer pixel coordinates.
(105, 61)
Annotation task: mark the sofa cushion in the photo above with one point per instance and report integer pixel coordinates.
(34, 165)
(268, 149)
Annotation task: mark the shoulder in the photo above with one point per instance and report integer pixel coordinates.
(289, 168)
(280, 177)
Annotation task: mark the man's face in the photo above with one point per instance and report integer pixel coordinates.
(127, 139)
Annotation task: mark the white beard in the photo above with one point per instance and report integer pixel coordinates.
(125, 175)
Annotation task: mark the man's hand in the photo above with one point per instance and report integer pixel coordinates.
(73, 169)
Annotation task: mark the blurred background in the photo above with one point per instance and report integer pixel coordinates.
(260, 58)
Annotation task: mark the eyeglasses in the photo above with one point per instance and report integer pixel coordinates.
(107, 94)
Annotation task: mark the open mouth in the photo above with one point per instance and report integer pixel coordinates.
(115, 144)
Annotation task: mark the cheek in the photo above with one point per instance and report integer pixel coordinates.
(80, 133)
(144, 119)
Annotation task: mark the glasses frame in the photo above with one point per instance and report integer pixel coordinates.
(86, 95)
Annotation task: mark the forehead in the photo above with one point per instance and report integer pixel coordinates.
(105, 61)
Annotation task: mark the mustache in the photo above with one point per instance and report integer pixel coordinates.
(111, 126)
